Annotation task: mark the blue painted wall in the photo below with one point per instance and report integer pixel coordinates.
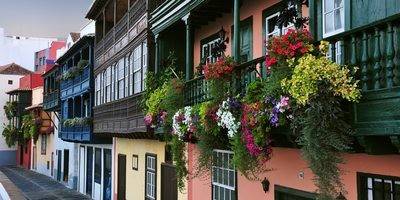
(8, 157)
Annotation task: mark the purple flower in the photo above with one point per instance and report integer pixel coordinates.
(148, 119)
(234, 104)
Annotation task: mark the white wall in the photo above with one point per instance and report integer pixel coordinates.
(89, 28)
(21, 50)
(5, 87)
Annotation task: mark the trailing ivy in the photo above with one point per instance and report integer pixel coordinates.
(178, 148)
(10, 109)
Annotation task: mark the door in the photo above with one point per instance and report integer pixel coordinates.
(284, 193)
(21, 155)
(121, 177)
(97, 174)
(59, 156)
(52, 164)
(82, 169)
(89, 171)
(107, 174)
(246, 40)
(34, 158)
(169, 187)
(66, 165)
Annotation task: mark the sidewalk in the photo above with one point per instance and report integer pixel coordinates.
(35, 186)
(12, 190)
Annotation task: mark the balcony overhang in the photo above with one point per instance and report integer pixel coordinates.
(87, 39)
(19, 90)
(35, 106)
(95, 9)
(200, 12)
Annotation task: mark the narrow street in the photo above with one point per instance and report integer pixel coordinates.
(35, 186)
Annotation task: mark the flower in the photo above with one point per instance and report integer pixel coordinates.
(226, 119)
(183, 124)
(148, 119)
(220, 69)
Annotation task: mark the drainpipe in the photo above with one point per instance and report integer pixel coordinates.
(236, 30)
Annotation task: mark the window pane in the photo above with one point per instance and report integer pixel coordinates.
(137, 82)
(329, 22)
(338, 3)
(338, 19)
(328, 5)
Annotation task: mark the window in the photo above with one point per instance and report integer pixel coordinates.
(144, 64)
(127, 68)
(151, 181)
(206, 49)
(135, 162)
(377, 187)
(121, 77)
(98, 87)
(43, 144)
(108, 84)
(223, 176)
(335, 52)
(272, 28)
(333, 17)
(115, 82)
(131, 61)
(137, 69)
(86, 108)
(10, 82)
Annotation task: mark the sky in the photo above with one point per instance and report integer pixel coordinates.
(43, 18)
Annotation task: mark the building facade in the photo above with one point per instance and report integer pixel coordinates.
(10, 75)
(123, 55)
(369, 41)
(20, 49)
(45, 59)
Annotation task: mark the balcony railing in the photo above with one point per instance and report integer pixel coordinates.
(51, 99)
(197, 90)
(77, 85)
(375, 49)
(75, 133)
(122, 28)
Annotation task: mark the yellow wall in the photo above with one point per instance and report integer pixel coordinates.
(135, 179)
(41, 160)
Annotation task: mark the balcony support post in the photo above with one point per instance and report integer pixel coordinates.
(189, 48)
(236, 30)
(82, 106)
(157, 54)
(389, 57)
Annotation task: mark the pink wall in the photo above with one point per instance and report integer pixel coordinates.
(31, 81)
(286, 165)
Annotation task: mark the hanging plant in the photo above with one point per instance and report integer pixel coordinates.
(11, 135)
(74, 71)
(185, 123)
(10, 109)
(29, 128)
(78, 121)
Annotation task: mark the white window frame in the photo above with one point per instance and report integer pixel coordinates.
(209, 45)
(334, 32)
(137, 69)
(121, 78)
(229, 171)
(277, 31)
(127, 68)
(144, 65)
(151, 177)
(338, 53)
(108, 84)
(131, 61)
(97, 88)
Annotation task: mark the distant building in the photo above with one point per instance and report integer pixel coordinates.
(9, 80)
(45, 58)
(21, 49)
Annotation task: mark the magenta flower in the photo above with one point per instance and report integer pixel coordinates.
(148, 119)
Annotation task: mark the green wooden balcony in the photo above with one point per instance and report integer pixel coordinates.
(375, 49)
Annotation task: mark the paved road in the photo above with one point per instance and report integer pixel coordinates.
(35, 186)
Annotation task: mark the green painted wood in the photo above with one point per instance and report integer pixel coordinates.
(377, 60)
(389, 57)
(236, 30)
(364, 62)
(189, 50)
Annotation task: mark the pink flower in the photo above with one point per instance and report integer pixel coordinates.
(148, 119)
(284, 101)
(163, 115)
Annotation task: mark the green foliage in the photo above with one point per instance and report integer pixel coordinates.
(11, 135)
(10, 109)
(178, 149)
(78, 121)
(75, 70)
(29, 128)
(323, 136)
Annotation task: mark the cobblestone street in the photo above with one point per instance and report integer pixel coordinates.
(35, 186)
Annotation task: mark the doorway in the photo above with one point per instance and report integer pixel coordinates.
(285, 193)
(81, 169)
(66, 165)
(59, 157)
(107, 175)
(121, 177)
(89, 170)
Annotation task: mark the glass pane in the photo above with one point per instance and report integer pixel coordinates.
(214, 175)
(387, 190)
(378, 189)
(338, 3)
(328, 5)
(216, 192)
(221, 193)
(232, 178)
(233, 195)
(396, 190)
(272, 24)
(338, 19)
(227, 194)
(226, 178)
(328, 22)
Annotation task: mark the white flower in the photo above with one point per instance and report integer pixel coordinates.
(227, 120)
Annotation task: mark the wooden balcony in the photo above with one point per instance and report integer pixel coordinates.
(197, 90)
(76, 133)
(51, 100)
(376, 50)
(122, 118)
(76, 86)
(124, 31)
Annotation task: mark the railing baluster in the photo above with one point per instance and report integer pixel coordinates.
(389, 57)
(377, 60)
(353, 59)
(342, 52)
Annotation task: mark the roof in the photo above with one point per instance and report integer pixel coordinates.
(75, 36)
(34, 106)
(75, 48)
(14, 69)
(50, 70)
(96, 7)
(19, 90)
